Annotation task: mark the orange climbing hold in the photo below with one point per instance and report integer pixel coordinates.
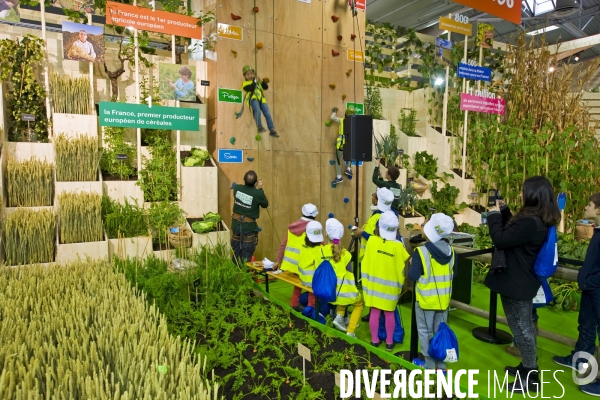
(343, 97)
(335, 53)
(353, 36)
(266, 80)
(234, 53)
(349, 72)
(335, 18)
(235, 17)
(259, 45)
(255, 9)
(340, 38)
(332, 85)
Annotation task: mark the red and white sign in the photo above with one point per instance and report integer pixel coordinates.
(509, 10)
(360, 4)
(469, 102)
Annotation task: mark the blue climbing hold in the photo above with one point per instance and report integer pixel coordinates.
(232, 185)
(346, 199)
(331, 162)
(250, 159)
(349, 226)
(330, 215)
(349, 177)
(259, 229)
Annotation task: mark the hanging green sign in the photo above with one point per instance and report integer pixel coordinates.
(141, 116)
(230, 96)
(359, 107)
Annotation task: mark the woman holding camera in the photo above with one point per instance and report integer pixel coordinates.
(521, 238)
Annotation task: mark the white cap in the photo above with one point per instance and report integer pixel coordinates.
(309, 210)
(314, 231)
(388, 225)
(385, 197)
(439, 226)
(334, 228)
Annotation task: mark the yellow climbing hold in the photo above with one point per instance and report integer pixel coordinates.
(343, 97)
(332, 85)
(259, 45)
(266, 80)
(234, 53)
(349, 72)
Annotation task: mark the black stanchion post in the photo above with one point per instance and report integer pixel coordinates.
(491, 334)
(414, 334)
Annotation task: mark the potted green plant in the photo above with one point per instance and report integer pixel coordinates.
(127, 228)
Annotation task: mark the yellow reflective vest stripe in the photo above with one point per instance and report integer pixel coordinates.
(339, 143)
(306, 264)
(258, 93)
(346, 290)
(382, 272)
(434, 287)
(369, 227)
(293, 249)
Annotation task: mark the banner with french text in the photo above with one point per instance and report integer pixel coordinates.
(141, 116)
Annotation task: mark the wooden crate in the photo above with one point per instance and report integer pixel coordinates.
(136, 247)
(74, 124)
(71, 252)
(199, 190)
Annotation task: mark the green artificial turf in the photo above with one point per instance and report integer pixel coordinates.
(474, 354)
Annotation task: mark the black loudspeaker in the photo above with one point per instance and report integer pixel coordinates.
(358, 132)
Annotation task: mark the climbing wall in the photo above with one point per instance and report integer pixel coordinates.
(302, 47)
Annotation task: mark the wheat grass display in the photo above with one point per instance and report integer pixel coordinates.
(29, 183)
(29, 237)
(77, 159)
(80, 216)
(70, 96)
(83, 332)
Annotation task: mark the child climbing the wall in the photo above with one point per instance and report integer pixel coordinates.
(339, 145)
(253, 88)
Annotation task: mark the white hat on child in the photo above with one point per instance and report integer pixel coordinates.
(334, 228)
(388, 225)
(309, 210)
(439, 226)
(385, 197)
(314, 231)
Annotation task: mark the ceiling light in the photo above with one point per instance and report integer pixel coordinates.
(439, 81)
(543, 30)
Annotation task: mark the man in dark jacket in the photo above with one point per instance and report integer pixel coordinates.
(589, 312)
(247, 200)
(392, 173)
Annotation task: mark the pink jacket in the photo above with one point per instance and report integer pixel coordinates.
(297, 228)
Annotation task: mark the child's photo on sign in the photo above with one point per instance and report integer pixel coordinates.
(9, 10)
(83, 42)
(177, 82)
(485, 35)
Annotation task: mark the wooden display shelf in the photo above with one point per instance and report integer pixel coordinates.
(73, 125)
(121, 190)
(77, 186)
(71, 252)
(211, 239)
(135, 247)
(199, 190)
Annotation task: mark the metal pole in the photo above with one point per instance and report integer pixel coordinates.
(137, 92)
(46, 74)
(92, 101)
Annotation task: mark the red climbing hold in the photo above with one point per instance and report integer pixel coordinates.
(235, 17)
(255, 9)
(335, 53)
(340, 37)
(353, 36)
(335, 18)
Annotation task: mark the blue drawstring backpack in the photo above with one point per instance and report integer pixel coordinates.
(546, 261)
(324, 282)
(444, 345)
(310, 311)
(544, 296)
(398, 328)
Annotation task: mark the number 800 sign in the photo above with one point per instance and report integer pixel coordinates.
(504, 9)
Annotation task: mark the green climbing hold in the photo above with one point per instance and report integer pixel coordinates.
(258, 137)
(232, 140)
(328, 123)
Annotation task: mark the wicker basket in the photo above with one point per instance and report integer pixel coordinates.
(420, 186)
(181, 239)
(583, 231)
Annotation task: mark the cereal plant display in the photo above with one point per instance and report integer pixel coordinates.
(77, 159)
(29, 236)
(70, 95)
(80, 217)
(29, 183)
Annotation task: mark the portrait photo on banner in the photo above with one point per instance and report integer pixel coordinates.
(485, 35)
(177, 82)
(83, 42)
(9, 10)
(83, 6)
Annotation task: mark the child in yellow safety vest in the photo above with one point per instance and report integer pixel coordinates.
(340, 141)
(383, 276)
(347, 293)
(385, 198)
(313, 241)
(292, 246)
(432, 269)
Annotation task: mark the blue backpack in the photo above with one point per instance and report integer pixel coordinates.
(325, 282)
(546, 261)
(398, 328)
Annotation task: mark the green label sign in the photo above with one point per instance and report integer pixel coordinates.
(230, 96)
(141, 116)
(359, 107)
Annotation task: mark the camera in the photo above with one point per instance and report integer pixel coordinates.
(493, 195)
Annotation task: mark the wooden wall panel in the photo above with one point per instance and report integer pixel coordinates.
(342, 27)
(296, 182)
(229, 75)
(299, 20)
(229, 173)
(332, 199)
(297, 94)
(243, 8)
